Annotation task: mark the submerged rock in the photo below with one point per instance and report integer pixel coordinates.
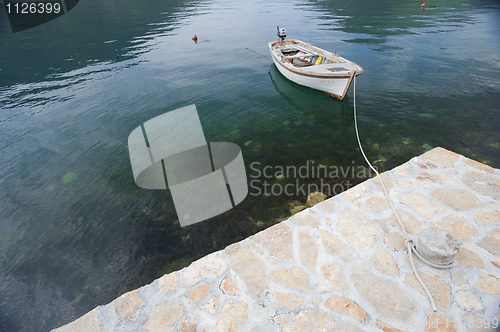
(297, 209)
(315, 198)
(427, 147)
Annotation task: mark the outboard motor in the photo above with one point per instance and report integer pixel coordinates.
(281, 33)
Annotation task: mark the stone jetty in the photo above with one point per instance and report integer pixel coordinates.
(341, 265)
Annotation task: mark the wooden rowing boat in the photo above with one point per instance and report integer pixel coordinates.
(313, 67)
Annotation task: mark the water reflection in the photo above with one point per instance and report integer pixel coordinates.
(382, 19)
(315, 105)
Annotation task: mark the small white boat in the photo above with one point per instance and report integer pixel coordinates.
(313, 67)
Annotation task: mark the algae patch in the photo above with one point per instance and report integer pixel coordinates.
(68, 177)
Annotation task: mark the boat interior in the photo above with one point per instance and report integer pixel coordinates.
(299, 58)
(301, 55)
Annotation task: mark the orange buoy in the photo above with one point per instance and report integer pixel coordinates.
(423, 5)
(195, 38)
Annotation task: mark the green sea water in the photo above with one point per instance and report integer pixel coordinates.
(75, 230)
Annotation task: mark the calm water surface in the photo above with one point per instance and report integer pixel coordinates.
(76, 232)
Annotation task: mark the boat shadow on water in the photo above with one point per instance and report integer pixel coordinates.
(316, 105)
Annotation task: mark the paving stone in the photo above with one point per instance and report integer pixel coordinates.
(233, 315)
(489, 284)
(357, 230)
(329, 207)
(458, 278)
(406, 184)
(483, 183)
(211, 306)
(382, 224)
(308, 251)
(88, 322)
(459, 199)
(448, 172)
(450, 181)
(354, 193)
(241, 258)
(442, 156)
(468, 301)
(385, 296)
(163, 317)
(227, 286)
(423, 205)
(346, 307)
(378, 204)
(252, 245)
(128, 305)
(438, 323)
(416, 262)
(461, 229)
(383, 262)
(331, 244)
(478, 165)
(491, 242)
(494, 207)
(168, 282)
(440, 290)
(386, 327)
(313, 320)
(188, 327)
(488, 217)
(198, 293)
(410, 223)
(289, 301)
(333, 279)
(277, 240)
(402, 170)
(306, 218)
(294, 278)
(468, 258)
(359, 207)
(426, 177)
(423, 164)
(395, 241)
(209, 267)
(385, 180)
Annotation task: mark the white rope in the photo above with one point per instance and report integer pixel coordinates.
(408, 242)
(371, 166)
(437, 266)
(410, 256)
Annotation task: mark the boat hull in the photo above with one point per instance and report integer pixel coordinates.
(336, 87)
(334, 84)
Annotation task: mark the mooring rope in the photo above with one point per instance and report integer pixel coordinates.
(258, 53)
(408, 242)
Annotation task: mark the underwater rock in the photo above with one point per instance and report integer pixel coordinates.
(428, 147)
(315, 198)
(297, 209)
